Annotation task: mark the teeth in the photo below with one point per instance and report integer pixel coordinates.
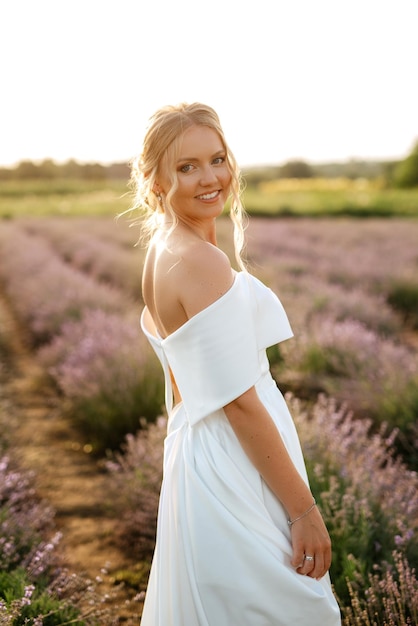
(209, 196)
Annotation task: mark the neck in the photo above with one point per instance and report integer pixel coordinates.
(205, 232)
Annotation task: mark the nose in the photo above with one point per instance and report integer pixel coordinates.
(208, 175)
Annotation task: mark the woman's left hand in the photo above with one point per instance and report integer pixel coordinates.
(311, 545)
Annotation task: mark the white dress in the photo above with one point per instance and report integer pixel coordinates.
(223, 550)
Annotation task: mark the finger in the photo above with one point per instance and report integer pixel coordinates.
(308, 565)
(322, 563)
(319, 567)
(298, 557)
(298, 551)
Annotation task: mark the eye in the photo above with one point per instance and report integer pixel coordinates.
(219, 160)
(186, 168)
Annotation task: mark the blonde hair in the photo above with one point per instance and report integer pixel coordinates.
(161, 148)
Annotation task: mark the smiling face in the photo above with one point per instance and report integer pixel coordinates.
(202, 174)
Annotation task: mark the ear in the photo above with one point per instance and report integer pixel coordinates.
(156, 189)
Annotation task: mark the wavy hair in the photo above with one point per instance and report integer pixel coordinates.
(161, 147)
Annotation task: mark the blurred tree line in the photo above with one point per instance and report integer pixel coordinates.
(403, 174)
(73, 170)
(406, 173)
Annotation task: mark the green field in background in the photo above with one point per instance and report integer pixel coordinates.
(42, 198)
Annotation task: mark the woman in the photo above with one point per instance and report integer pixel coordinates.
(240, 541)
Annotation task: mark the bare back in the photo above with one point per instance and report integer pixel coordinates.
(182, 276)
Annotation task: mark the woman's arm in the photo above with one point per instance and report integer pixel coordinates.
(264, 446)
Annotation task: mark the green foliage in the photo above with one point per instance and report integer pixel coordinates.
(5, 341)
(391, 597)
(58, 187)
(366, 496)
(399, 409)
(331, 202)
(71, 197)
(62, 197)
(23, 602)
(48, 170)
(135, 577)
(359, 538)
(353, 169)
(296, 169)
(406, 173)
(403, 297)
(24, 539)
(339, 370)
(105, 421)
(255, 175)
(275, 356)
(327, 361)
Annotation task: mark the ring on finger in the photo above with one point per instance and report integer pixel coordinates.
(307, 557)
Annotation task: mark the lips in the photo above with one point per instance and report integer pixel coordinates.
(208, 196)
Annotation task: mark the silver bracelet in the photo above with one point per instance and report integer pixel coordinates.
(292, 521)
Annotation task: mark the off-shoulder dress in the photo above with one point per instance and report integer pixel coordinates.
(223, 548)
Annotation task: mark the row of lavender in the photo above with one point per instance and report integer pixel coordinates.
(351, 290)
(27, 556)
(34, 586)
(86, 334)
(334, 281)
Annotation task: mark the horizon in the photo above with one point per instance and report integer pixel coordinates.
(105, 164)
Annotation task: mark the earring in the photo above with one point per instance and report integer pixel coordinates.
(158, 195)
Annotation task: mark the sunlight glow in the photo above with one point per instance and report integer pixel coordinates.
(318, 80)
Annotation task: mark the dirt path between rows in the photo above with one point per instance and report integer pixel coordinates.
(67, 477)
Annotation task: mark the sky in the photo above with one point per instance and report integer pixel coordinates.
(318, 80)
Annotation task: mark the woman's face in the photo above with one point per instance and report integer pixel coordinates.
(202, 174)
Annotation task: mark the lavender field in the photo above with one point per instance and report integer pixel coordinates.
(350, 288)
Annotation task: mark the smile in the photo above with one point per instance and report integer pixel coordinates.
(208, 196)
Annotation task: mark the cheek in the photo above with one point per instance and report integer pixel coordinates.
(184, 190)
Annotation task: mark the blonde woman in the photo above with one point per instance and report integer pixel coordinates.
(240, 540)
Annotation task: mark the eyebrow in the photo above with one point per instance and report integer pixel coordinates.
(194, 159)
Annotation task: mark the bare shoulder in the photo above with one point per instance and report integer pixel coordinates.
(179, 281)
(204, 275)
